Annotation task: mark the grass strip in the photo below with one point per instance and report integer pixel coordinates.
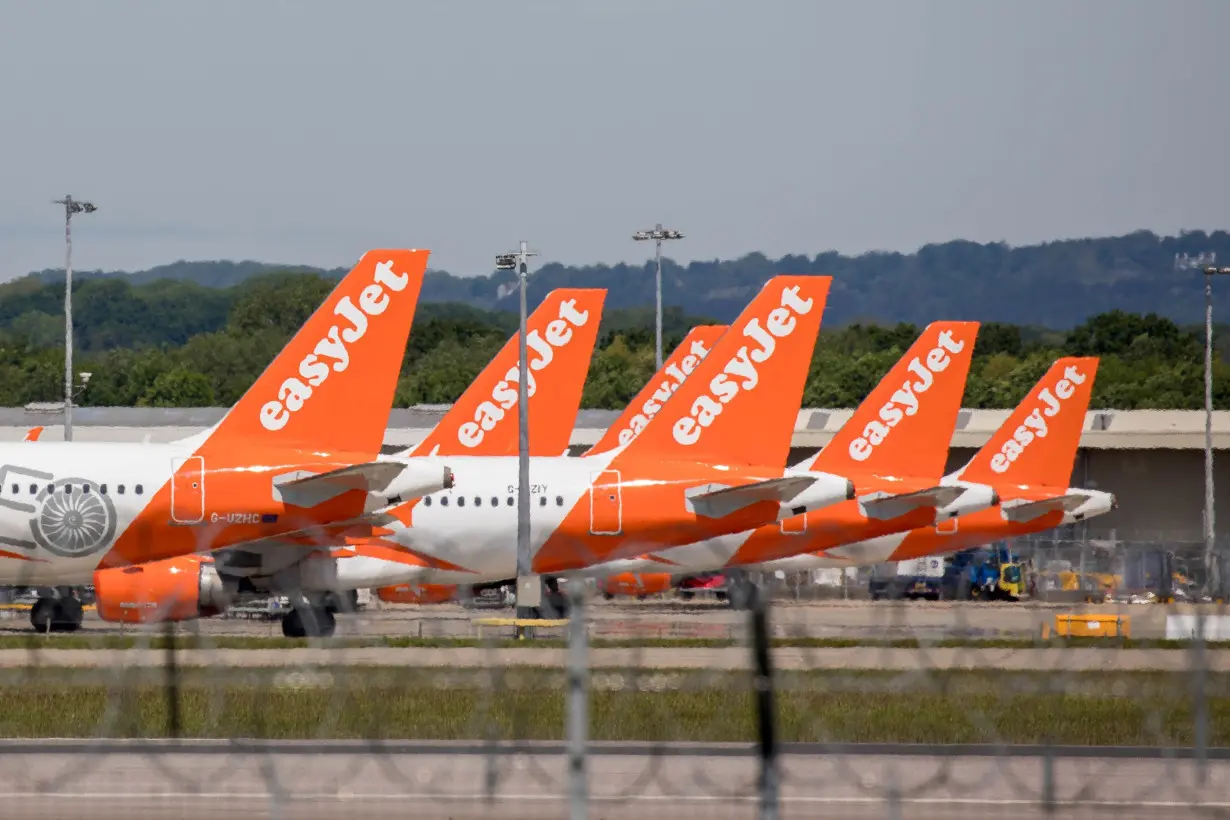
(955, 707)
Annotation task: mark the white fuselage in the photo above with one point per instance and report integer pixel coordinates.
(474, 525)
(63, 505)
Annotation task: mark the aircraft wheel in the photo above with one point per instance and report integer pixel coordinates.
(42, 614)
(67, 615)
(319, 623)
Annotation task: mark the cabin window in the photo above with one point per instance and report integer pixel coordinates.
(542, 501)
(478, 502)
(559, 501)
(16, 489)
(495, 502)
(510, 501)
(139, 489)
(33, 489)
(102, 488)
(461, 501)
(68, 489)
(444, 500)
(427, 501)
(120, 489)
(51, 488)
(85, 488)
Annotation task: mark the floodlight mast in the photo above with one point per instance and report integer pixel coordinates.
(659, 235)
(529, 586)
(71, 206)
(1206, 264)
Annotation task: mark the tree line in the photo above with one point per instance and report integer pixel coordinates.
(170, 343)
(1056, 285)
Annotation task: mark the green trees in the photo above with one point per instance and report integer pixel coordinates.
(171, 343)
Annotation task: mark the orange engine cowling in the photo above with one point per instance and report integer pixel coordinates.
(174, 589)
(417, 593)
(628, 583)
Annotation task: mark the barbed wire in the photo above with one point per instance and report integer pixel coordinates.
(1065, 703)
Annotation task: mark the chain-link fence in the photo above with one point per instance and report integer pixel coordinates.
(811, 701)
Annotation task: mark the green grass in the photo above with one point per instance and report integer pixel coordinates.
(380, 703)
(158, 641)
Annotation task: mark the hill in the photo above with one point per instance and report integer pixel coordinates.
(1055, 285)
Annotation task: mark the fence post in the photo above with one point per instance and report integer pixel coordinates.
(578, 699)
(765, 712)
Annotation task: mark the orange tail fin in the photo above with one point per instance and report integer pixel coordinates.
(905, 425)
(332, 385)
(1037, 444)
(741, 402)
(560, 337)
(33, 433)
(682, 361)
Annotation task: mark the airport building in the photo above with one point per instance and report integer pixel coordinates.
(1152, 460)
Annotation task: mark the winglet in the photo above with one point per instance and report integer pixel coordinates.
(740, 403)
(332, 385)
(560, 337)
(905, 425)
(1037, 444)
(677, 367)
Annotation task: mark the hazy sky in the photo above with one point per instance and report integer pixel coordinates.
(307, 131)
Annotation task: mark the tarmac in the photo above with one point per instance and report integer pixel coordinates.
(628, 618)
(106, 782)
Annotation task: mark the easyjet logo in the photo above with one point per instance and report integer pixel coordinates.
(739, 372)
(1035, 424)
(677, 371)
(332, 352)
(490, 412)
(905, 401)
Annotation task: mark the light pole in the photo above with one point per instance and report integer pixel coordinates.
(71, 206)
(529, 586)
(658, 235)
(1205, 263)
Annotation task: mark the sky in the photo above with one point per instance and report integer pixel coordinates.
(307, 131)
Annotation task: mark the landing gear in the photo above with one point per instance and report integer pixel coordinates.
(309, 622)
(62, 613)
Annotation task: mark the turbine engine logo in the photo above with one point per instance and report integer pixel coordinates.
(74, 518)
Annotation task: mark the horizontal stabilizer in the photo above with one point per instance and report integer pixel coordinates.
(1020, 510)
(883, 506)
(719, 501)
(309, 489)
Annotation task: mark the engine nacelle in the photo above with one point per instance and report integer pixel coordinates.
(174, 589)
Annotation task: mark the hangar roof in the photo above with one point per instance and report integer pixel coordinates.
(1104, 429)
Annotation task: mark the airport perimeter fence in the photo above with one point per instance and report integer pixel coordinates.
(842, 708)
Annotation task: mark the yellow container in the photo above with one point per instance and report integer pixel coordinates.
(1093, 626)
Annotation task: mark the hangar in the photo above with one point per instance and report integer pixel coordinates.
(1153, 460)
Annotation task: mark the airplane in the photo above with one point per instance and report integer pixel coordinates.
(560, 338)
(643, 407)
(712, 460)
(300, 450)
(893, 446)
(1028, 461)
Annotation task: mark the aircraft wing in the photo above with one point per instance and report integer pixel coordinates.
(402, 478)
(719, 501)
(883, 506)
(1021, 510)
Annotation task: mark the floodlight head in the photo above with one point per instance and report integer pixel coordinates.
(641, 236)
(84, 375)
(506, 261)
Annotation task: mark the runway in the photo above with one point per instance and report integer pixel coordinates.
(340, 780)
